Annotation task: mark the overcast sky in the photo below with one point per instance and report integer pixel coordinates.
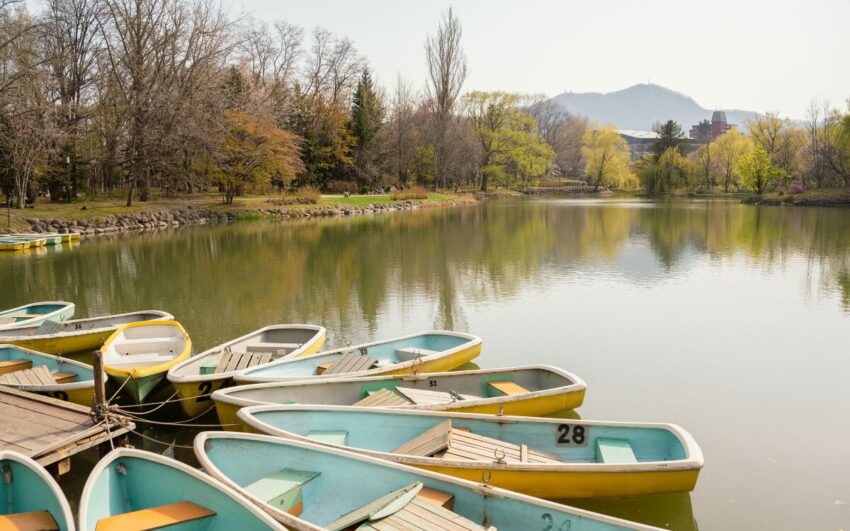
(756, 55)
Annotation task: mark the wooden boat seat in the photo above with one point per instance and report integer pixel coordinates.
(411, 353)
(350, 362)
(7, 320)
(339, 437)
(236, 361)
(507, 388)
(429, 442)
(15, 365)
(34, 377)
(614, 451)
(154, 517)
(278, 349)
(383, 398)
(282, 489)
(31, 521)
(383, 505)
(48, 327)
(64, 377)
(465, 445)
(422, 514)
(425, 397)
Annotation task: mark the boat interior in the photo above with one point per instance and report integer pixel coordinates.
(28, 501)
(22, 367)
(141, 346)
(28, 312)
(75, 325)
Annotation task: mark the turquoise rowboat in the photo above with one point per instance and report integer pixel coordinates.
(431, 351)
(48, 238)
(41, 373)
(54, 238)
(312, 487)
(35, 314)
(547, 458)
(31, 497)
(134, 489)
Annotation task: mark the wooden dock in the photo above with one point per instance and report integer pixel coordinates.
(50, 431)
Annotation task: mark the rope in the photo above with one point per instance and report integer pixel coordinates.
(157, 441)
(169, 400)
(176, 423)
(127, 379)
(149, 411)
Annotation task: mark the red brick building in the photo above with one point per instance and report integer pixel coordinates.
(706, 131)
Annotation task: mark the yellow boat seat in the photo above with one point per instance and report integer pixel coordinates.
(614, 451)
(64, 377)
(508, 388)
(282, 489)
(32, 521)
(154, 517)
(14, 365)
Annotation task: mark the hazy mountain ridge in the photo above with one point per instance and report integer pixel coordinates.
(640, 106)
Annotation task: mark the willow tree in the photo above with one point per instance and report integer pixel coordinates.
(607, 156)
(757, 170)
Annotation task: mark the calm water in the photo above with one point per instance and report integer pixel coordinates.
(730, 320)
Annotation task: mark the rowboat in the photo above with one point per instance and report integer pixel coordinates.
(35, 314)
(31, 497)
(137, 356)
(200, 375)
(530, 390)
(547, 458)
(76, 335)
(431, 351)
(46, 238)
(13, 245)
(134, 489)
(41, 373)
(311, 487)
(55, 236)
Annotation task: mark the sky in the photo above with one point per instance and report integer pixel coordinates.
(735, 54)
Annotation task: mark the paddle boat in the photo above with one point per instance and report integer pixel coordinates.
(530, 390)
(35, 314)
(431, 351)
(44, 374)
(132, 490)
(32, 500)
(197, 377)
(547, 458)
(137, 356)
(75, 335)
(308, 486)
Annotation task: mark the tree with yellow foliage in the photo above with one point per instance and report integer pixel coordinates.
(731, 147)
(253, 149)
(607, 156)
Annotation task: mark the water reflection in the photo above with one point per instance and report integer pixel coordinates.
(667, 511)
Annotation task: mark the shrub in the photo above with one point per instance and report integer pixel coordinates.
(415, 192)
(306, 195)
(797, 187)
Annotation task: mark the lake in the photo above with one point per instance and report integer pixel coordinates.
(730, 320)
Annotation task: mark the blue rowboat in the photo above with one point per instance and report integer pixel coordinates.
(431, 351)
(31, 497)
(530, 390)
(544, 457)
(42, 373)
(35, 314)
(134, 489)
(307, 486)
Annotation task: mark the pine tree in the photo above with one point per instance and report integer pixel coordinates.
(670, 135)
(366, 118)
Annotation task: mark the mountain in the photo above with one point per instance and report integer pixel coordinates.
(640, 106)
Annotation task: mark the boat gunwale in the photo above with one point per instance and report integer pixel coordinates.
(71, 386)
(65, 306)
(137, 372)
(118, 453)
(68, 515)
(478, 488)
(693, 460)
(225, 396)
(244, 376)
(174, 376)
(73, 333)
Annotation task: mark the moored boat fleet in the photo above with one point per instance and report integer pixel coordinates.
(434, 445)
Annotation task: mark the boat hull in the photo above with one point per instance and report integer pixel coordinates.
(136, 390)
(439, 364)
(194, 396)
(83, 397)
(27, 488)
(70, 344)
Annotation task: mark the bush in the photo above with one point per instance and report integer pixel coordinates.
(307, 195)
(340, 187)
(415, 192)
(797, 187)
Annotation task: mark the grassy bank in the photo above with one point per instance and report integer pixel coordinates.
(244, 207)
(828, 197)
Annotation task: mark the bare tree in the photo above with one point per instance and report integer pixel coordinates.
(561, 130)
(447, 71)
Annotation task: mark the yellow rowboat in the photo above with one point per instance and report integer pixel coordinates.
(432, 351)
(54, 236)
(197, 377)
(531, 390)
(76, 335)
(44, 374)
(137, 356)
(13, 245)
(35, 314)
(547, 458)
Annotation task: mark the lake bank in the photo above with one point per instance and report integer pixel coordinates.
(111, 217)
(827, 197)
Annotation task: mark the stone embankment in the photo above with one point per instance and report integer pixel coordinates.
(161, 218)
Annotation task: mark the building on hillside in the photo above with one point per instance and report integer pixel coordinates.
(706, 131)
(640, 142)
